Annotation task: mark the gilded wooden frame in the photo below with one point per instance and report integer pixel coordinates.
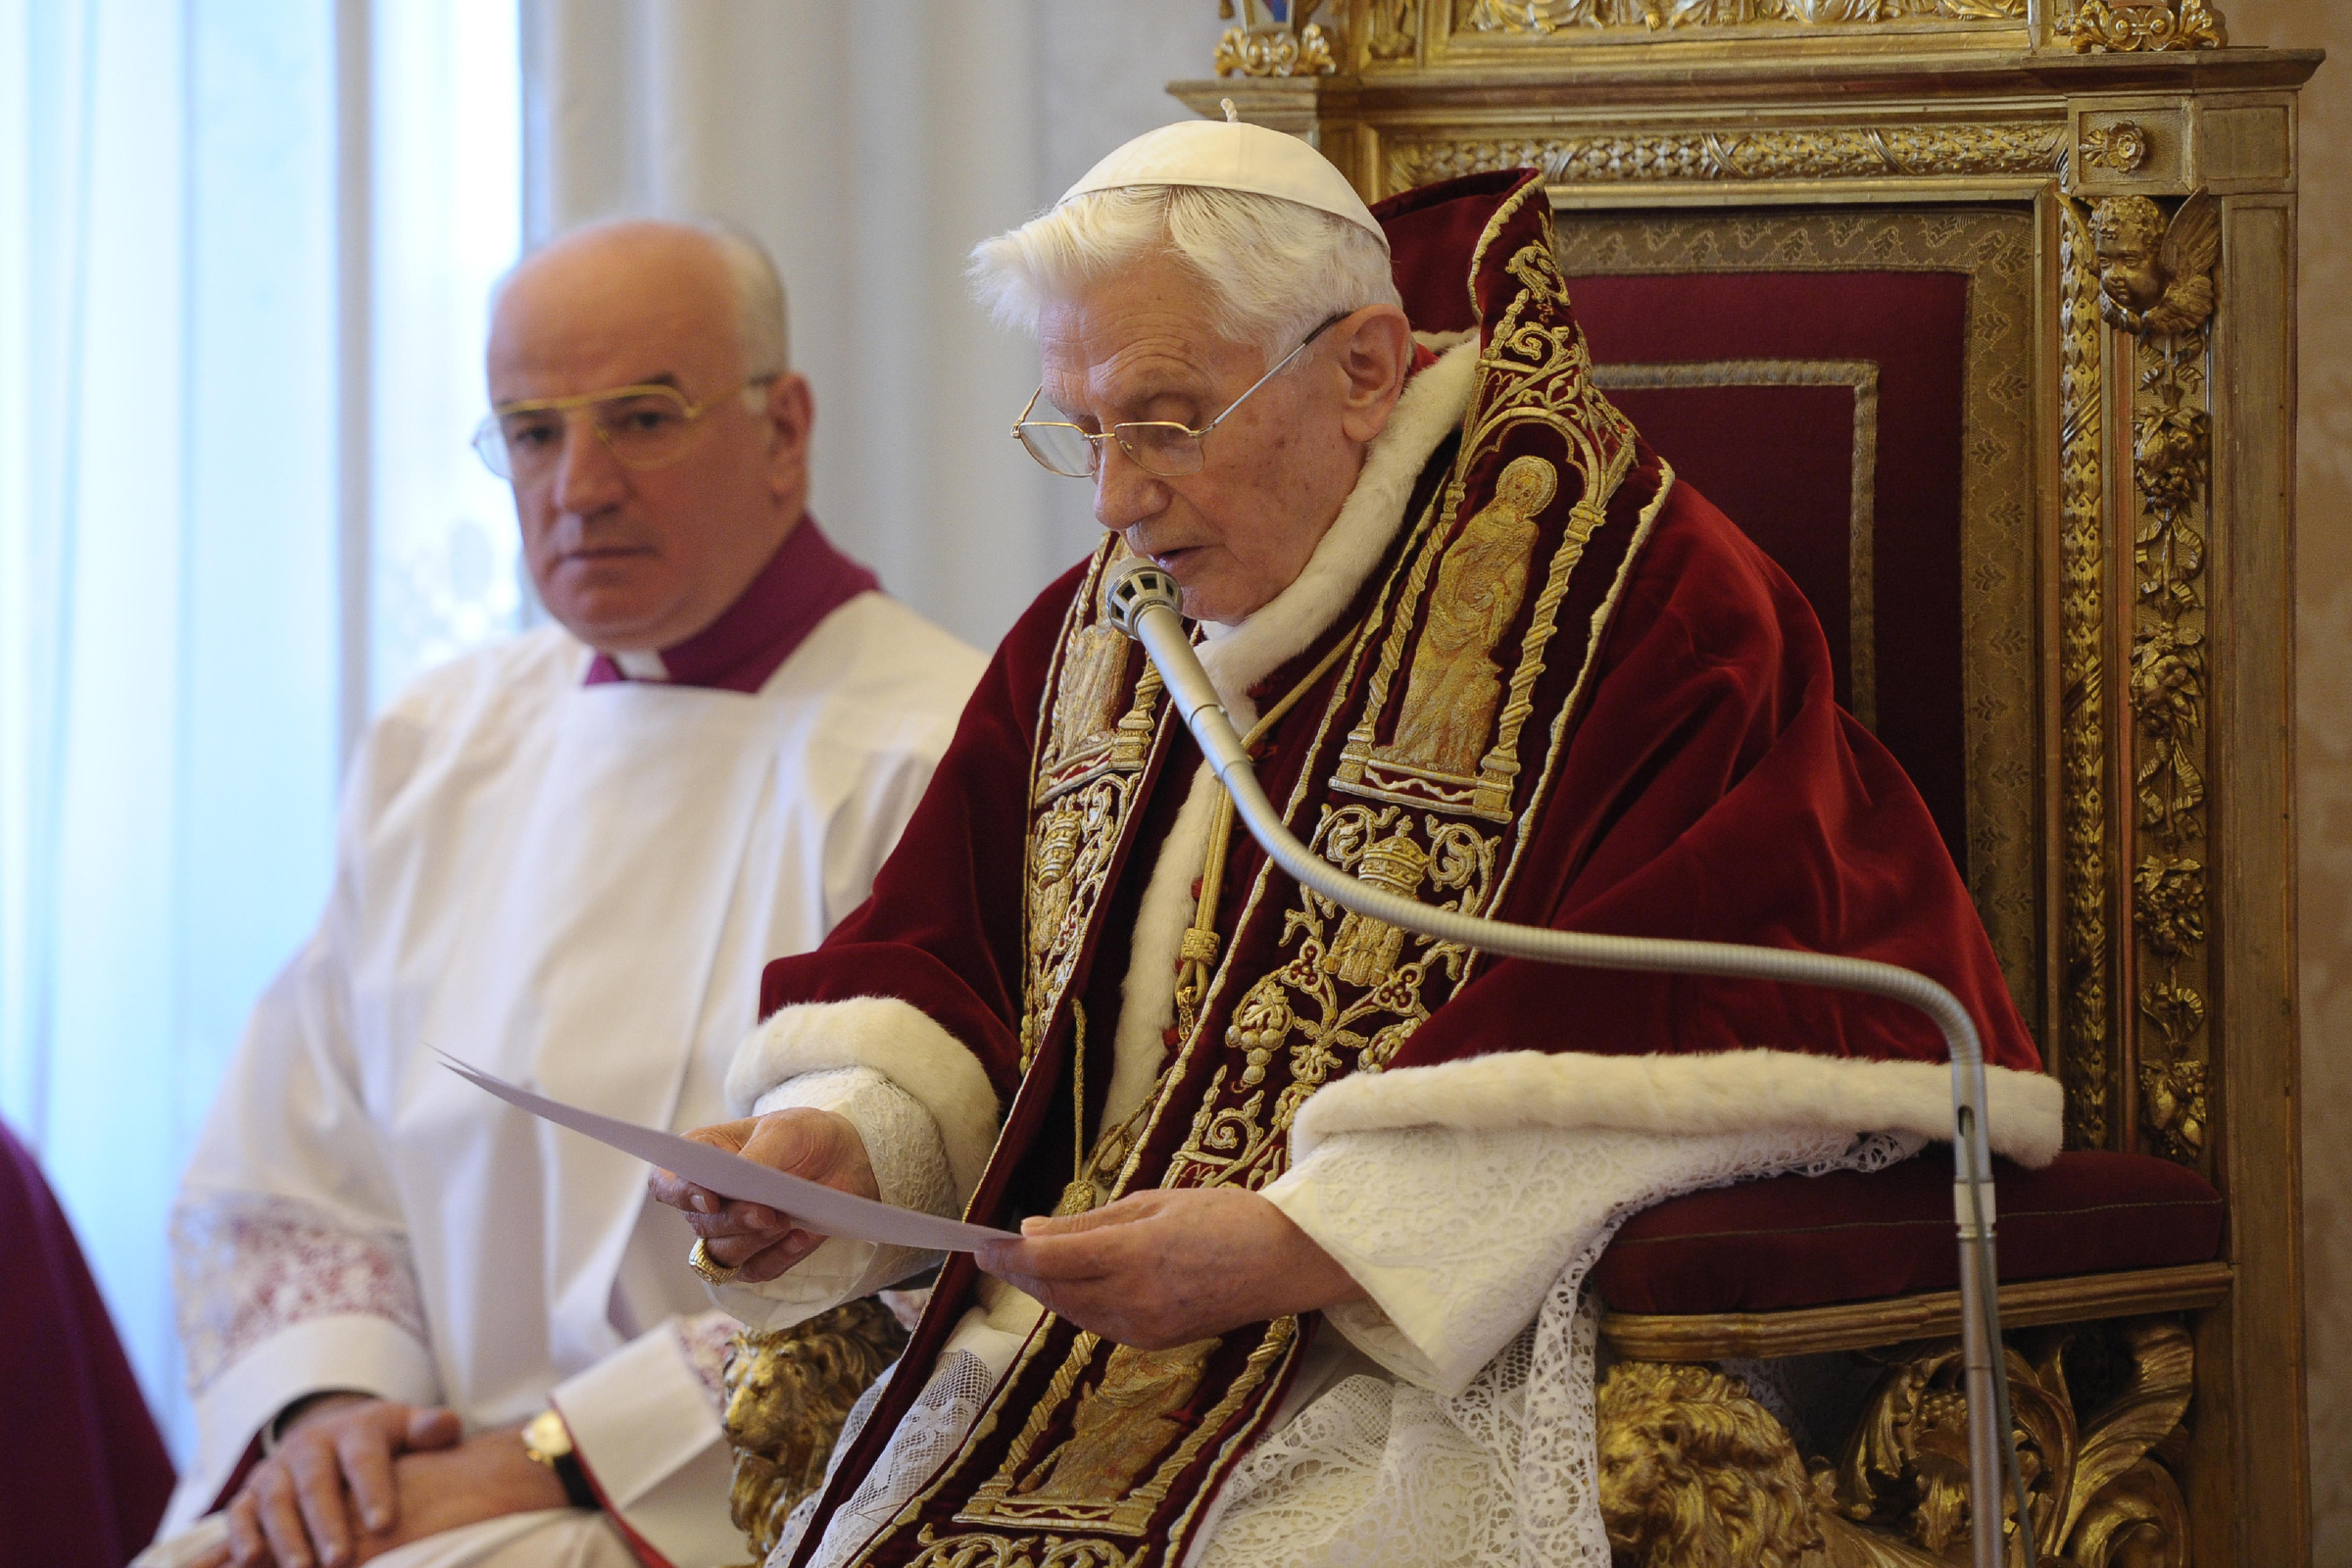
(2161, 502)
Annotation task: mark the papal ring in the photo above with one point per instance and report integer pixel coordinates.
(713, 1271)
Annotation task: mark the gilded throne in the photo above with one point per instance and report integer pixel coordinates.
(1979, 314)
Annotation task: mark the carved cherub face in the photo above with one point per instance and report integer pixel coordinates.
(2129, 235)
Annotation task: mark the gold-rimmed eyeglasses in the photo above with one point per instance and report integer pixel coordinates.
(643, 426)
(1162, 448)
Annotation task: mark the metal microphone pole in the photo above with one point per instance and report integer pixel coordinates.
(1141, 600)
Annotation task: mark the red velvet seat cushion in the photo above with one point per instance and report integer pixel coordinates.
(1855, 1236)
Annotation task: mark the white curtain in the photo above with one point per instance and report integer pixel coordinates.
(245, 247)
(243, 250)
(870, 146)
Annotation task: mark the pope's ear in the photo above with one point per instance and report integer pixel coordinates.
(1374, 354)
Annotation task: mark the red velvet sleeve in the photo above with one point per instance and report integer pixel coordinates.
(942, 928)
(1715, 791)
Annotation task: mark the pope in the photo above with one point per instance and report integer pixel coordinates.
(1306, 1202)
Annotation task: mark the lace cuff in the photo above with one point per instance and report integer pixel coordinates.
(911, 1169)
(1457, 1235)
(706, 1336)
(246, 1267)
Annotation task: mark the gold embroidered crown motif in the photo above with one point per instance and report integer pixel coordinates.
(1363, 949)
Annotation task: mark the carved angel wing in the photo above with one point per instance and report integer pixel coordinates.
(2193, 241)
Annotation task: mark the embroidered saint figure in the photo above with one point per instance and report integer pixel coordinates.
(1123, 1424)
(1086, 708)
(1455, 686)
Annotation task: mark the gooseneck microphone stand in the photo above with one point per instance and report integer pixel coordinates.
(1141, 600)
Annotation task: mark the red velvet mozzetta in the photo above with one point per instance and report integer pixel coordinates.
(1853, 1236)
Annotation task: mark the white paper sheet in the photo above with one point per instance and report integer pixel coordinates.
(817, 1208)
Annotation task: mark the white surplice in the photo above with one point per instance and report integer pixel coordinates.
(575, 887)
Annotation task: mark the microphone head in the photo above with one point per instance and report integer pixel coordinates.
(1133, 585)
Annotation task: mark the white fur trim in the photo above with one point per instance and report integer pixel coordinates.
(1733, 1091)
(1429, 411)
(899, 1041)
(1147, 996)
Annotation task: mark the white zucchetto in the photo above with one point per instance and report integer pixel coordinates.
(1229, 155)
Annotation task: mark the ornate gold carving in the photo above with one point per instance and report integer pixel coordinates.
(788, 1393)
(2122, 146)
(1606, 158)
(2089, 1474)
(2156, 284)
(2170, 900)
(1548, 17)
(1393, 30)
(1860, 1325)
(2172, 1108)
(2156, 277)
(2168, 692)
(2083, 1063)
(2100, 27)
(1271, 45)
(1694, 1471)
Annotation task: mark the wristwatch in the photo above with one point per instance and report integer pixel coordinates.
(548, 1441)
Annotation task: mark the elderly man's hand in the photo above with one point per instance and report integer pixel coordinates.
(488, 1476)
(330, 1484)
(1167, 1267)
(817, 1145)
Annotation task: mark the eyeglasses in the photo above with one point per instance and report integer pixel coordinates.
(1162, 448)
(643, 426)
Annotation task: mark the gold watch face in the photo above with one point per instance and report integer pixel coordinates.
(547, 1438)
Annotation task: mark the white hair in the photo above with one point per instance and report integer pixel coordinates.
(1274, 269)
(758, 288)
(758, 301)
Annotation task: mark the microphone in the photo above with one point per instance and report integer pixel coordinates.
(1139, 598)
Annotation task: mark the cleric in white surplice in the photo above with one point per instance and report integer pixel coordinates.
(565, 858)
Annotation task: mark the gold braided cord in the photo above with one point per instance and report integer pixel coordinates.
(1078, 1090)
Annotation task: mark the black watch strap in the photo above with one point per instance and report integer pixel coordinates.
(548, 1441)
(574, 1476)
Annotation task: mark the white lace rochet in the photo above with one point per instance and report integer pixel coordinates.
(1477, 1447)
